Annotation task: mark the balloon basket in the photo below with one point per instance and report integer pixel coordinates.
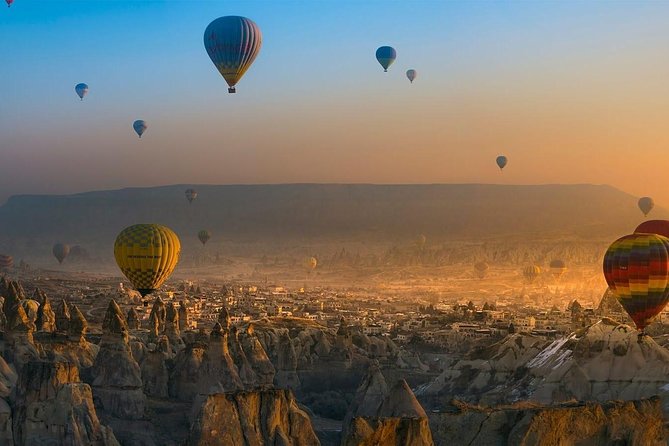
(232, 90)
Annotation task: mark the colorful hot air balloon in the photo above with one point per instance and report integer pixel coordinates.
(140, 127)
(636, 267)
(531, 272)
(6, 262)
(232, 43)
(411, 75)
(204, 236)
(310, 263)
(60, 251)
(82, 90)
(386, 55)
(191, 194)
(646, 204)
(659, 227)
(481, 268)
(501, 161)
(558, 268)
(9, 2)
(147, 254)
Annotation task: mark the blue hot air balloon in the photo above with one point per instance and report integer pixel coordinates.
(386, 55)
(82, 90)
(140, 127)
(501, 161)
(232, 43)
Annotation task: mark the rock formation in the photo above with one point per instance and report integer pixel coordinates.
(46, 317)
(172, 327)
(184, 318)
(257, 357)
(133, 319)
(63, 316)
(117, 383)
(269, 417)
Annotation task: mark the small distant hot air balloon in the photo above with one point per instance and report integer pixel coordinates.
(420, 241)
(310, 263)
(82, 90)
(531, 272)
(411, 75)
(140, 127)
(659, 227)
(60, 251)
(386, 55)
(6, 262)
(481, 268)
(204, 236)
(558, 268)
(646, 204)
(191, 194)
(636, 268)
(232, 43)
(147, 254)
(9, 2)
(501, 161)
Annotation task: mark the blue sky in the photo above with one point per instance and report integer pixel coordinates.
(577, 84)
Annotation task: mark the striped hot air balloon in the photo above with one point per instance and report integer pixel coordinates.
(233, 43)
(204, 236)
(191, 194)
(531, 272)
(6, 261)
(636, 268)
(147, 254)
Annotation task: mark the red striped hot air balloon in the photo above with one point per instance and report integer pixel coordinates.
(6, 262)
(636, 267)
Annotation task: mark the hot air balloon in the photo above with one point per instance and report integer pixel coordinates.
(310, 263)
(411, 75)
(60, 251)
(147, 254)
(636, 268)
(191, 194)
(481, 268)
(9, 2)
(646, 204)
(501, 161)
(659, 227)
(558, 268)
(204, 236)
(420, 241)
(82, 90)
(140, 127)
(6, 262)
(386, 55)
(232, 43)
(531, 272)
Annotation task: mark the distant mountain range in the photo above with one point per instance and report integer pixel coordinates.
(340, 211)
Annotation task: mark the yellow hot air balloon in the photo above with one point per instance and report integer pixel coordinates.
(310, 263)
(147, 254)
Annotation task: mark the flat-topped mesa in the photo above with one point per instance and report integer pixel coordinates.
(224, 318)
(46, 317)
(78, 325)
(132, 319)
(159, 312)
(184, 321)
(62, 316)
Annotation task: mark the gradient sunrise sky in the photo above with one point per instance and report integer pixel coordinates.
(571, 92)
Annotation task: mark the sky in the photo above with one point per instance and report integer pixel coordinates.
(570, 92)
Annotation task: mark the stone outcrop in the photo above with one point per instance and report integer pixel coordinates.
(62, 316)
(184, 317)
(52, 406)
(399, 420)
(286, 365)
(172, 327)
(71, 346)
(268, 417)
(633, 423)
(369, 396)
(257, 357)
(116, 376)
(46, 317)
(133, 319)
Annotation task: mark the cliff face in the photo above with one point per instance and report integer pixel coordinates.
(638, 423)
(268, 417)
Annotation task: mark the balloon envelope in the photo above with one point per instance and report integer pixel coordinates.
(140, 127)
(481, 269)
(233, 43)
(636, 268)
(558, 267)
(60, 251)
(6, 261)
(411, 75)
(82, 90)
(531, 272)
(191, 194)
(386, 55)
(659, 227)
(204, 236)
(310, 263)
(147, 254)
(646, 204)
(9, 2)
(501, 161)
